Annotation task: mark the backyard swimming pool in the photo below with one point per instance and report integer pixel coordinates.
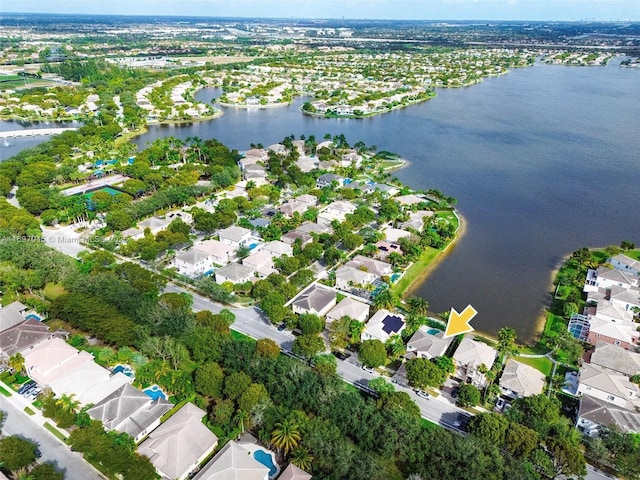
(266, 459)
(155, 393)
(434, 331)
(33, 316)
(126, 369)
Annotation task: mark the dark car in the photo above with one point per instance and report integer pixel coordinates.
(341, 355)
(282, 326)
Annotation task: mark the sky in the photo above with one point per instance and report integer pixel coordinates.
(363, 9)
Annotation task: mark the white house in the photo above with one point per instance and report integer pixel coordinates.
(427, 344)
(277, 249)
(349, 277)
(625, 264)
(234, 273)
(468, 358)
(261, 262)
(607, 385)
(519, 380)
(316, 299)
(235, 236)
(233, 462)
(371, 265)
(337, 210)
(193, 262)
(221, 253)
(383, 325)
(348, 307)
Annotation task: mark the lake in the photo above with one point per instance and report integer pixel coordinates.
(542, 160)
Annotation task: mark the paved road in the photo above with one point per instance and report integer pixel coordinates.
(594, 474)
(53, 450)
(252, 322)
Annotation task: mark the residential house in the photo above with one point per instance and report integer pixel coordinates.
(259, 153)
(233, 462)
(291, 207)
(185, 217)
(11, 315)
(234, 273)
(154, 224)
(605, 277)
(520, 380)
(383, 325)
(307, 199)
(22, 336)
(309, 227)
(180, 444)
(416, 220)
(328, 144)
(132, 233)
(371, 265)
(395, 234)
(277, 249)
(337, 210)
(410, 199)
(387, 248)
(427, 343)
(221, 253)
(607, 385)
(258, 177)
(351, 159)
(316, 299)
(622, 333)
(327, 179)
(261, 262)
(292, 472)
(52, 359)
(469, 357)
(193, 263)
(625, 264)
(307, 164)
(235, 236)
(616, 359)
(290, 237)
(348, 307)
(623, 299)
(595, 414)
(349, 277)
(128, 410)
(386, 190)
(278, 149)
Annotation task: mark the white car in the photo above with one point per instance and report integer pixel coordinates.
(422, 393)
(368, 369)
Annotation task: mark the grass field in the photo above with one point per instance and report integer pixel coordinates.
(55, 431)
(241, 336)
(542, 364)
(416, 270)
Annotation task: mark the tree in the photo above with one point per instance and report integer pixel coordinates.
(16, 453)
(286, 435)
(310, 324)
(385, 299)
(16, 362)
(380, 385)
(423, 373)
(308, 346)
(236, 384)
(46, 471)
(396, 346)
(242, 419)
(253, 395)
(468, 396)
(301, 458)
(418, 306)
(627, 245)
(507, 341)
(490, 426)
(267, 348)
(209, 379)
(68, 403)
(372, 353)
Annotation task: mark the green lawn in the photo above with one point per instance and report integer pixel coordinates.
(28, 411)
(53, 290)
(429, 425)
(449, 216)
(415, 271)
(5, 392)
(241, 336)
(554, 325)
(57, 433)
(543, 364)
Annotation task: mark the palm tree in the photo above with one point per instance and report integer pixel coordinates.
(355, 331)
(286, 435)
(396, 346)
(507, 341)
(301, 458)
(16, 362)
(242, 419)
(68, 403)
(418, 305)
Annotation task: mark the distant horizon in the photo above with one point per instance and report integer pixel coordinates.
(416, 10)
(239, 17)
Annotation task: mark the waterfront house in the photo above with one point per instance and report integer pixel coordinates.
(427, 343)
(607, 385)
(625, 264)
(371, 265)
(595, 414)
(416, 220)
(468, 358)
(410, 199)
(349, 277)
(327, 179)
(615, 358)
(387, 248)
(383, 325)
(180, 444)
(520, 380)
(395, 234)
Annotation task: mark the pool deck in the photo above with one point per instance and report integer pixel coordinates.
(248, 443)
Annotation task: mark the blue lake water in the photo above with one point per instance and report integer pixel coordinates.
(542, 160)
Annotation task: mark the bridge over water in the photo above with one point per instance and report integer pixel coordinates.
(34, 132)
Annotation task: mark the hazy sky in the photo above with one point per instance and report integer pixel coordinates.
(374, 9)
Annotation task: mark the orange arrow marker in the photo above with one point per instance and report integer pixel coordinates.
(459, 322)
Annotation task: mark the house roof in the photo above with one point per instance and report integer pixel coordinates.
(192, 256)
(614, 275)
(292, 236)
(355, 275)
(522, 379)
(616, 358)
(628, 261)
(130, 232)
(89, 382)
(327, 178)
(410, 199)
(176, 445)
(235, 272)
(473, 353)
(22, 336)
(348, 307)
(234, 233)
(342, 206)
(308, 227)
(607, 381)
(428, 345)
(11, 315)
(277, 248)
(384, 324)
(604, 413)
(52, 359)
(292, 207)
(624, 331)
(233, 462)
(308, 199)
(293, 472)
(215, 248)
(315, 298)
(395, 234)
(129, 410)
(154, 223)
(371, 265)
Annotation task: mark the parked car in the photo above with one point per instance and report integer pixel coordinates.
(422, 393)
(282, 326)
(368, 369)
(340, 355)
(26, 386)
